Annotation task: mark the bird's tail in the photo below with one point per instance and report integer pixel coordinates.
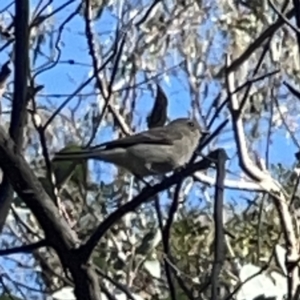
(78, 154)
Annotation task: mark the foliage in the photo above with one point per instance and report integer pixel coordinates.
(110, 68)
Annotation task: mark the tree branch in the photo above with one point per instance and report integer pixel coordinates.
(19, 104)
(219, 240)
(147, 193)
(58, 233)
(265, 180)
(24, 248)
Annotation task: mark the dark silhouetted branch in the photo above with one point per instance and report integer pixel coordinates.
(146, 194)
(24, 249)
(219, 241)
(18, 115)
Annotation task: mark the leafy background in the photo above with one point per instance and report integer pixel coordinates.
(179, 46)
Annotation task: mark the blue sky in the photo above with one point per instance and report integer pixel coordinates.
(64, 79)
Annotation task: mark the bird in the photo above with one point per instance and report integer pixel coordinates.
(156, 151)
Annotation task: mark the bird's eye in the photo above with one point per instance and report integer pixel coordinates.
(191, 124)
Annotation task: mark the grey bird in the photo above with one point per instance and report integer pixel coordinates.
(156, 151)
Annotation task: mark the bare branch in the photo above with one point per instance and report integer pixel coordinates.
(18, 114)
(219, 240)
(24, 249)
(117, 52)
(270, 185)
(58, 233)
(146, 194)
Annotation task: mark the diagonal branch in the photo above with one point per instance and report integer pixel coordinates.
(270, 185)
(149, 192)
(18, 114)
(239, 135)
(24, 249)
(104, 88)
(57, 232)
(29, 188)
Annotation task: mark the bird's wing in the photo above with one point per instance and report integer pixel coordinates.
(158, 135)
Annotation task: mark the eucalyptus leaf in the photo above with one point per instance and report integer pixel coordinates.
(75, 171)
(149, 242)
(153, 267)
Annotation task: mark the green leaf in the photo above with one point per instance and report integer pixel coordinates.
(75, 171)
